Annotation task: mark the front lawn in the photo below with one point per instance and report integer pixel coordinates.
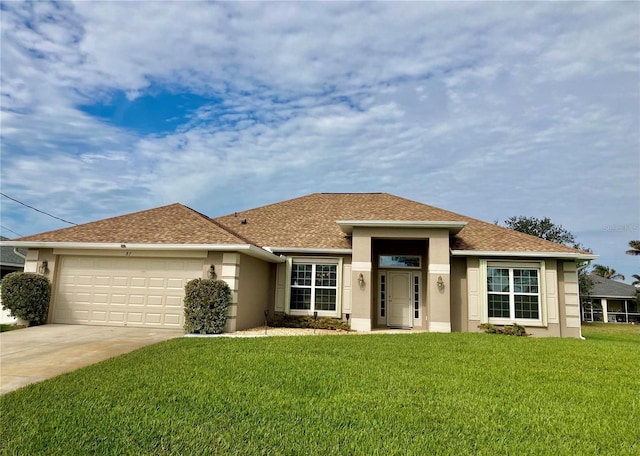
(367, 394)
(6, 327)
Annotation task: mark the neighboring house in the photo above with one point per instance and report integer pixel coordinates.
(10, 261)
(376, 259)
(611, 301)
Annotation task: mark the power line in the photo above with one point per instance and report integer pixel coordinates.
(5, 228)
(38, 210)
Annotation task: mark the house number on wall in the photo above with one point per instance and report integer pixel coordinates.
(128, 253)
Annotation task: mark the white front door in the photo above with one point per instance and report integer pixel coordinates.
(399, 296)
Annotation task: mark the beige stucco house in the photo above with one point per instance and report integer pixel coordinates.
(377, 259)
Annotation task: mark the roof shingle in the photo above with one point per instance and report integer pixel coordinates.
(173, 224)
(304, 222)
(607, 288)
(310, 222)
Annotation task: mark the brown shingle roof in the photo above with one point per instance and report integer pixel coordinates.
(310, 222)
(173, 224)
(305, 222)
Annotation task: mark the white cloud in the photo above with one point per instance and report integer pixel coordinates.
(489, 109)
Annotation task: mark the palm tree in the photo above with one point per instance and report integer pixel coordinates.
(606, 272)
(635, 248)
(636, 282)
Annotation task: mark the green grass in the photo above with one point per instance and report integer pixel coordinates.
(408, 394)
(5, 327)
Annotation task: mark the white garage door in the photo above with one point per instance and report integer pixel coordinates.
(145, 292)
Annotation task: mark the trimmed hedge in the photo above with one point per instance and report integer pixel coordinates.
(26, 295)
(508, 330)
(281, 320)
(205, 306)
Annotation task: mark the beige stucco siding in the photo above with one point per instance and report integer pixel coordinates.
(475, 300)
(254, 283)
(459, 304)
(569, 299)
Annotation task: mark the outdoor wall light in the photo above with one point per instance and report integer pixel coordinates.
(361, 280)
(212, 272)
(440, 283)
(44, 267)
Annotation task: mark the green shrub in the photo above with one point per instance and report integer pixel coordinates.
(205, 306)
(512, 330)
(281, 320)
(26, 296)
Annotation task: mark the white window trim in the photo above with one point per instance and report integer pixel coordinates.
(417, 321)
(540, 266)
(314, 260)
(382, 319)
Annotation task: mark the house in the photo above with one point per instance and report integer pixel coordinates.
(10, 260)
(375, 259)
(611, 301)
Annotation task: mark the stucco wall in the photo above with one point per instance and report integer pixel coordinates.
(459, 305)
(254, 282)
(569, 300)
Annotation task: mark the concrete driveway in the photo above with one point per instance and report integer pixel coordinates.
(34, 354)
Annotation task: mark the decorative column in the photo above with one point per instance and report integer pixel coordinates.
(361, 315)
(605, 313)
(439, 282)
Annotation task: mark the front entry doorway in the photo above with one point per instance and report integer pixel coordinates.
(399, 296)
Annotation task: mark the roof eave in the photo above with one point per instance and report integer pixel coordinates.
(511, 254)
(347, 226)
(247, 249)
(310, 250)
(595, 295)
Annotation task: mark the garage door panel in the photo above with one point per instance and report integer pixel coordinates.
(123, 291)
(154, 301)
(118, 281)
(175, 283)
(116, 317)
(153, 318)
(140, 282)
(104, 281)
(118, 299)
(173, 301)
(80, 315)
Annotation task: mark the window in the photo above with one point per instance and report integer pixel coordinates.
(399, 261)
(314, 287)
(416, 296)
(383, 294)
(513, 293)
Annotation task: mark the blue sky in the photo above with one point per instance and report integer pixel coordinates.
(487, 109)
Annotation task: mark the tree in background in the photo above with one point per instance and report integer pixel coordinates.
(606, 272)
(635, 248)
(545, 229)
(636, 280)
